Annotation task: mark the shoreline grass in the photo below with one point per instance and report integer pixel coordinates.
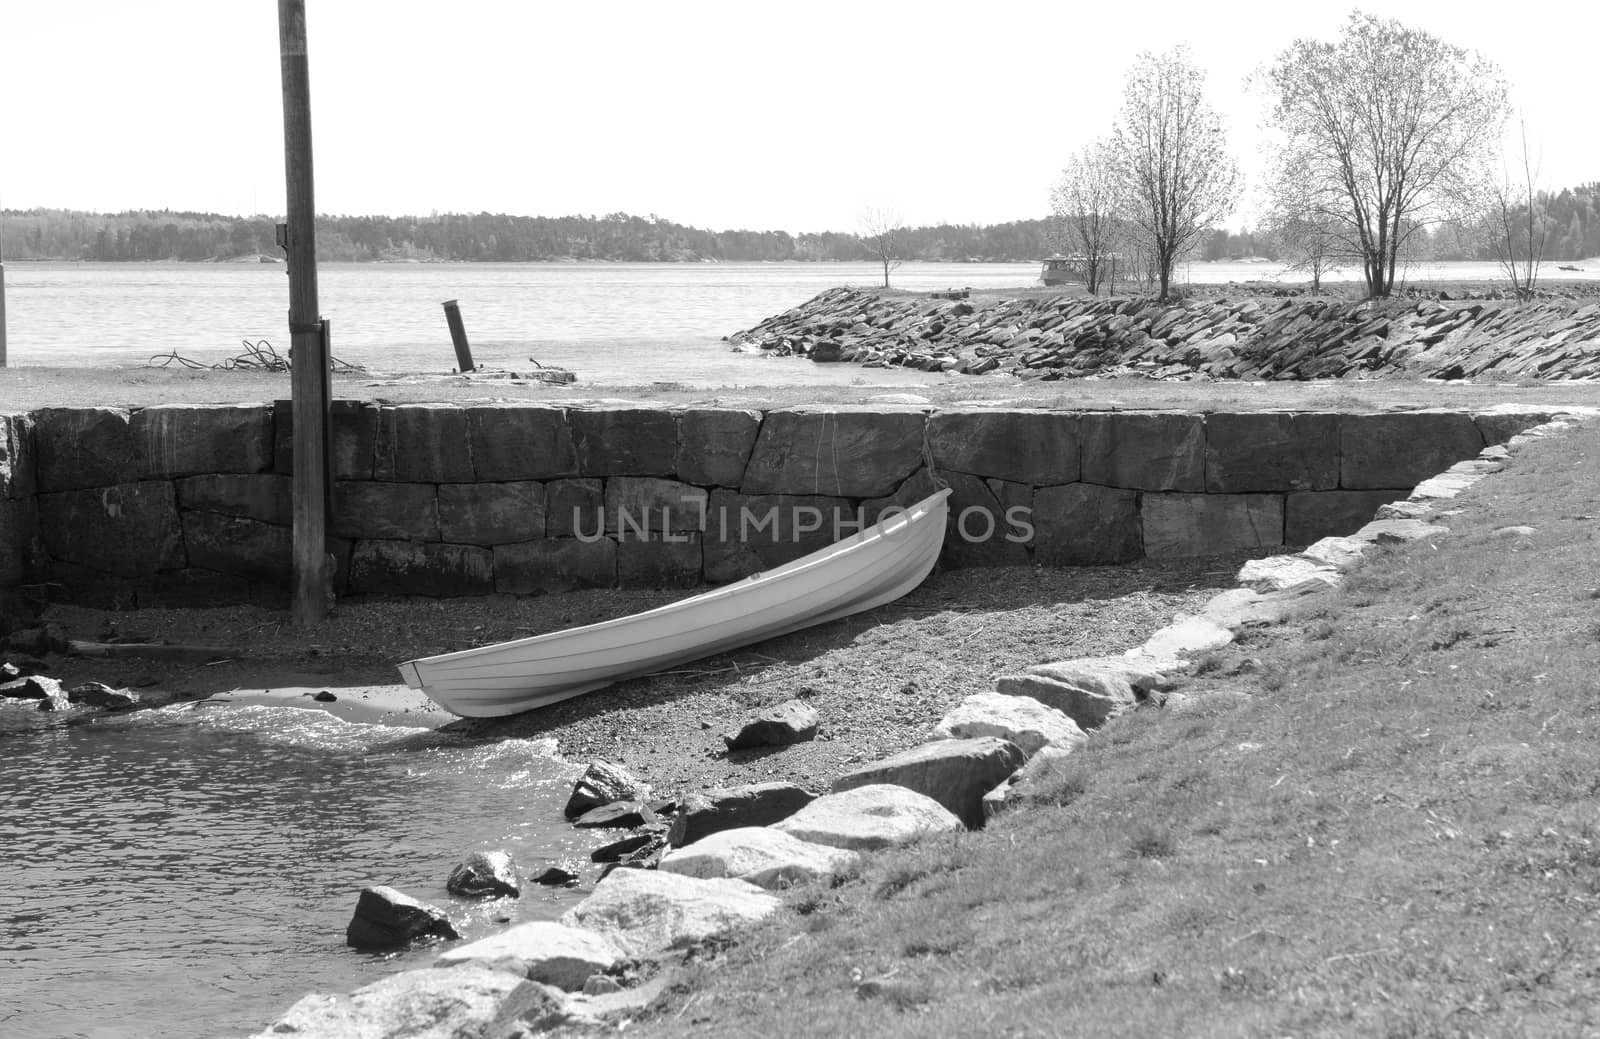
(1377, 819)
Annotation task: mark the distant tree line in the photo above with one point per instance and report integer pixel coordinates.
(52, 234)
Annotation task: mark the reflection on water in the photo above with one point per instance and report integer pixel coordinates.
(191, 873)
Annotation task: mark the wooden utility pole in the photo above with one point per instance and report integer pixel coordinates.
(308, 354)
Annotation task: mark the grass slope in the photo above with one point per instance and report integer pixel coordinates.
(1376, 820)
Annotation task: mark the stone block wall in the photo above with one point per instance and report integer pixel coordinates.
(191, 504)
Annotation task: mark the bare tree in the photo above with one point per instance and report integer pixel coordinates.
(1518, 224)
(1085, 202)
(881, 229)
(1308, 239)
(1389, 129)
(1177, 178)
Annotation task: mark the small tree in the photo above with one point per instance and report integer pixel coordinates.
(881, 230)
(1387, 130)
(1085, 203)
(1517, 222)
(1176, 176)
(1307, 238)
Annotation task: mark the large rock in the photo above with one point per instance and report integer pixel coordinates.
(869, 818)
(423, 443)
(33, 687)
(793, 721)
(1081, 524)
(541, 950)
(1029, 447)
(1029, 724)
(603, 783)
(646, 911)
(242, 547)
(385, 918)
(427, 1004)
(267, 497)
(130, 530)
(1398, 531)
(1147, 451)
(955, 773)
(1398, 450)
(485, 874)
(853, 454)
(758, 855)
(184, 439)
(354, 438)
(1210, 524)
(98, 694)
(84, 447)
(714, 445)
(1089, 690)
(512, 442)
(555, 565)
(1275, 573)
(398, 511)
(409, 568)
(1184, 637)
(491, 513)
(1271, 451)
(728, 808)
(625, 441)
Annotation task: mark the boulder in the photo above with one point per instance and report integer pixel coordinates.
(759, 804)
(850, 453)
(647, 911)
(35, 687)
(485, 874)
(1403, 510)
(1397, 531)
(1185, 636)
(793, 721)
(98, 694)
(427, 1004)
(564, 874)
(1089, 690)
(541, 950)
(1022, 720)
(602, 783)
(1022, 782)
(84, 447)
(869, 818)
(759, 855)
(1147, 451)
(1031, 447)
(618, 815)
(1342, 554)
(385, 918)
(1080, 524)
(955, 773)
(1271, 451)
(1275, 573)
(641, 842)
(714, 445)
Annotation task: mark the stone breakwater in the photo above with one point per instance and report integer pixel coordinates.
(177, 505)
(1063, 337)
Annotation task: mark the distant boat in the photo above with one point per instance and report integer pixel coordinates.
(868, 569)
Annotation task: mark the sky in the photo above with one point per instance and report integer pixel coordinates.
(753, 114)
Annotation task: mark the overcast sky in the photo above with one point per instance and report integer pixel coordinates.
(721, 115)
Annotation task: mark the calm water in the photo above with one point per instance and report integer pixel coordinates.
(615, 324)
(191, 873)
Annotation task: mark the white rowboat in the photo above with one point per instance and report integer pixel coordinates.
(874, 566)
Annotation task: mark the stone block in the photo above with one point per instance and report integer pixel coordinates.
(575, 507)
(185, 439)
(1144, 450)
(749, 533)
(399, 511)
(239, 546)
(409, 568)
(714, 445)
(267, 497)
(1210, 524)
(520, 442)
(625, 441)
(636, 504)
(130, 530)
(1403, 448)
(1026, 447)
(1080, 524)
(1501, 424)
(980, 532)
(84, 447)
(956, 773)
(16, 456)
(659, 559)
(852, 454)
(1271, 451)
(18, 540)
(491, 513)
(1312, 515)
(555, 565)
(423, 443)
(354, 425)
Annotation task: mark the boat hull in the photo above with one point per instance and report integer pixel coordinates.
(868, 569)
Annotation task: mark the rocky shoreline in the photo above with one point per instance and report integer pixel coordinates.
(1044, 336)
